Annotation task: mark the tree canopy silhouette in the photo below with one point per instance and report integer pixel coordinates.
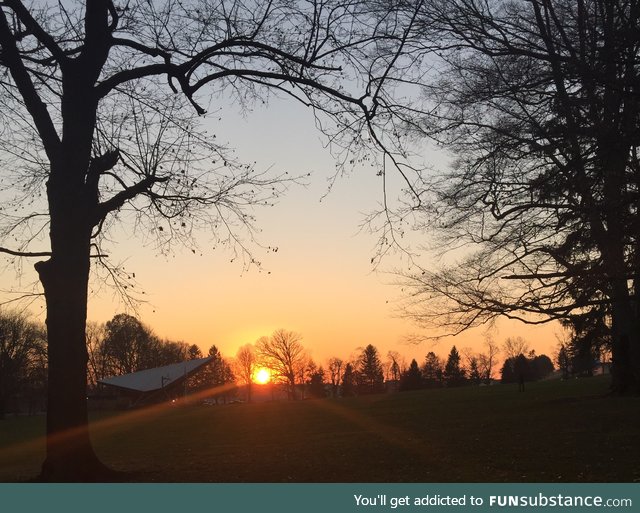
(539, 103)
(99, 124)
(283, 354)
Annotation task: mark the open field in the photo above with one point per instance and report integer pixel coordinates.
(555, 431)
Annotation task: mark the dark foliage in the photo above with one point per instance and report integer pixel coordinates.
(454, 374)
(370, 376)
(411, 379)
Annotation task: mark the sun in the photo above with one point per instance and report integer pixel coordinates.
(262, 376)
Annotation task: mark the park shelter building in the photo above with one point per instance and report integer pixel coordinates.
(153, 385)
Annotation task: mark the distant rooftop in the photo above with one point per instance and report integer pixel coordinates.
(157, 378)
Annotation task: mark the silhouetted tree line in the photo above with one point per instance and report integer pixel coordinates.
(120, 346)
(436, 373)
(23, 364)
(125, 344)
(366, 373)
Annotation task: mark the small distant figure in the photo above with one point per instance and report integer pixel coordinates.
(520, 382)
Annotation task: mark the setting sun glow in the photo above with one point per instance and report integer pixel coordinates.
(262, 376)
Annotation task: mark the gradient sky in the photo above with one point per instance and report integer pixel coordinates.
(319, 283)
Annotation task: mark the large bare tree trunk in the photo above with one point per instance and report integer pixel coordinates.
(70, 456)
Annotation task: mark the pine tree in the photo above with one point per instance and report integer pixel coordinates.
(563, 361)
(474, 371)
(454, 374)
(215, 377)
(432, 371)
(348, 381)
(370, 373)
(411, 379)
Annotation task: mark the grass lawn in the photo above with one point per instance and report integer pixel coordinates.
(554, 431)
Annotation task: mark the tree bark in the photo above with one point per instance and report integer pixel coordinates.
(625, 343)
(70, 455)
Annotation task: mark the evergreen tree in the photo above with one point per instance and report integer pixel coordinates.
(411, 379)
(563, 361)
(348, 381)
(474, 371)
(370, 373)
(194, 352)
(215, 377)
(454, 374)
(432, 371)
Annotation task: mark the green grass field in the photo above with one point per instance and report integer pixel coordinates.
(555, 431)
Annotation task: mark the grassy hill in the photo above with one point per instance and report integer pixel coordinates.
(554, 431)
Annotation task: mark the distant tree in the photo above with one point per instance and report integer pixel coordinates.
(166, 352)
(454, 374)
(411, 378)
(128, 345)
(34, 389)
(526, 368)
(348, 381)
(22, 345)
(487, 360)
(394, 366)
(563, 361)
(541, 366)
(209, 380)
(522, 368)
(336, 370)
(370, 377)
(97, 362)
(124, 345)
(515, 346)
(304, 368)
(316, 382)
(475, 376)
(283, 354)
(246, 367)
(194, 352)
(508, 374)
(432, 371)
(214, 379)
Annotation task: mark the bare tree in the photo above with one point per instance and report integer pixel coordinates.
(21, 343)
(284, 355)
(394, 366)
(98, 102)
(514, 347)
(304, 370)
(97, 362)
(487, 359)
(245, 364)
(336, 371)
(538, 101)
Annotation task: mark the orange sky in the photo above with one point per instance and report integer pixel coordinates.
(320, 283)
